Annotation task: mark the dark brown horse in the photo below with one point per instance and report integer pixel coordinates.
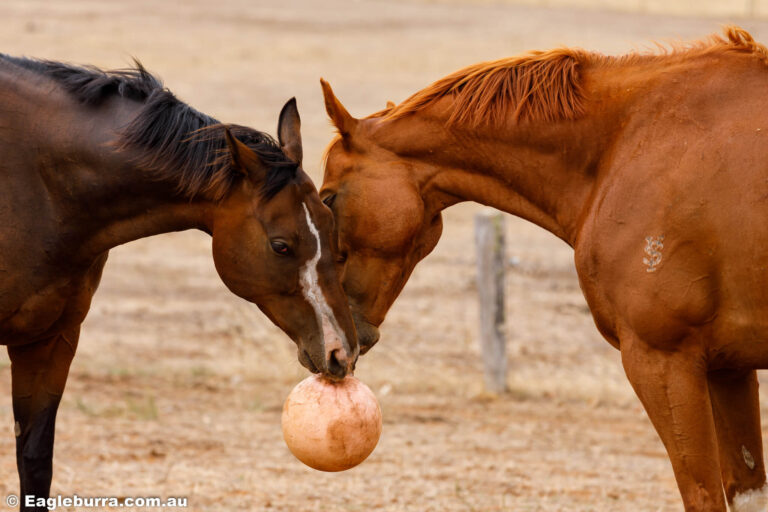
(654, 168)
(90, 160)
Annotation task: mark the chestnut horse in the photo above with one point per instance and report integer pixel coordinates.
(654, 168)
(90, 160)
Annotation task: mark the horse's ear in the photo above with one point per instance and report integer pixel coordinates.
(344, 122)
(244, 160)
(289, 131)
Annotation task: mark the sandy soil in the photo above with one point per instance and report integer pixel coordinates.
(177, 386)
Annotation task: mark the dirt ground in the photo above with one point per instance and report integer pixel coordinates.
(177, 386)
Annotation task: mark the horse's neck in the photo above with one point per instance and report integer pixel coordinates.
(61, 157)
(543, 173)
(123, 202)
(138, 213)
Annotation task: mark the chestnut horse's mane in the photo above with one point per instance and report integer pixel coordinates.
(544, 85)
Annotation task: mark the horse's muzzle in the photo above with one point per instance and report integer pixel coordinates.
(336, 364)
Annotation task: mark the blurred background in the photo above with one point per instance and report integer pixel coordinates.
(178, 385)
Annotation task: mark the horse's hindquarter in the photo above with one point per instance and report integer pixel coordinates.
(673, 248)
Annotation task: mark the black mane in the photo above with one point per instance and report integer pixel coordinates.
(172, 140)
(89, 84)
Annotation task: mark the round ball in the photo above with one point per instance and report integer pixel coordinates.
(331, 425)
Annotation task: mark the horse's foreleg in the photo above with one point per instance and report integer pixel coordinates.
(672, 385)
(39, 373)
(736, 410)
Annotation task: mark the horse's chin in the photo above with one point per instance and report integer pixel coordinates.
(367, 336)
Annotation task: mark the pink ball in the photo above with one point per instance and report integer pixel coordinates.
(331, 425)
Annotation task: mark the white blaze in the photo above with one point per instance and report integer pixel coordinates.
(310, 285)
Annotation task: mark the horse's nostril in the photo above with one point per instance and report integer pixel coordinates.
(337, 363)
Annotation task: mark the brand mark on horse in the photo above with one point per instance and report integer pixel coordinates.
(748, 459)
(653, 247)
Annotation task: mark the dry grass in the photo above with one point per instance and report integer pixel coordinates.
(177, 386)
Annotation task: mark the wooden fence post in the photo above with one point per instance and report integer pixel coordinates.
(491, 257)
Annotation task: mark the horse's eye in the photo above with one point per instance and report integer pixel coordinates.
(341, 258)
(328, 201)
(280, 247)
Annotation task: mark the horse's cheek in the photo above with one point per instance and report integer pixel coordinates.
(231, 263)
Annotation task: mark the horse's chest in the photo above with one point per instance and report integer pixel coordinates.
(34, 316)
(56, 305)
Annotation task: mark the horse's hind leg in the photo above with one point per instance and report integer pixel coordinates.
(672, 385)
(38, 372)
(736, 409)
